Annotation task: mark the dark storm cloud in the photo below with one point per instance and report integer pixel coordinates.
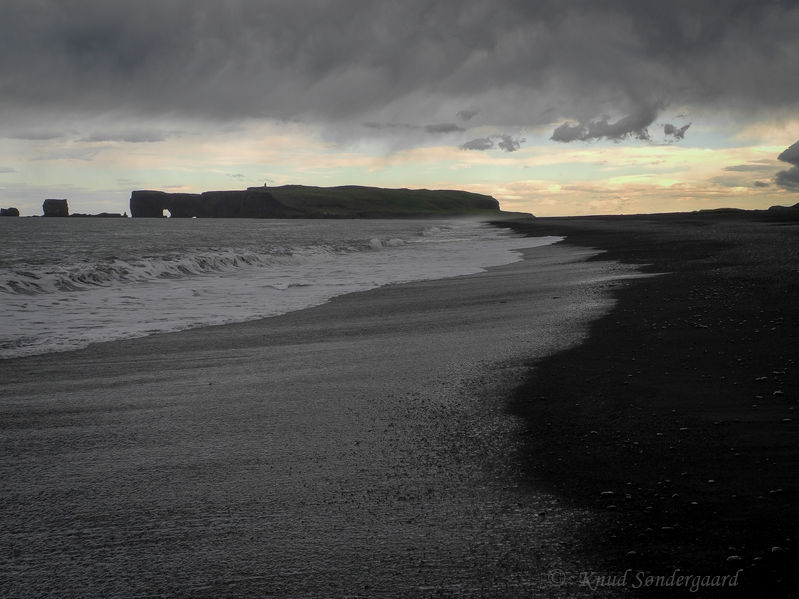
(34, 135)
(508, 143)
(605, 70)
(466, 115)
(675, 132)
(443, 128)
(634, 125)
(435, 128)
(761, 168)
(570, 132)
(384, 126)
(502, 141)
(789, 179)
(481, 143)
(790, 154)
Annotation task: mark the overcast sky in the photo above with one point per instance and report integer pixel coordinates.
(552, 107)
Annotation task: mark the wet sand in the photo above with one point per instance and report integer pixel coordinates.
(677, 416)
(359, 448)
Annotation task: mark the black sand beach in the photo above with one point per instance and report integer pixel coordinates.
(368, 447)
(361, 448)
(678, 415)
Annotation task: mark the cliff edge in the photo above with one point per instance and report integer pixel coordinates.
(301, 201)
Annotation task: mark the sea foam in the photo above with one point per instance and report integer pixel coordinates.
(134, 280)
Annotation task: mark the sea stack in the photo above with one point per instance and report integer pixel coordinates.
(55, 208)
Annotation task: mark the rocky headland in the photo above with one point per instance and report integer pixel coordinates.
(301, 201)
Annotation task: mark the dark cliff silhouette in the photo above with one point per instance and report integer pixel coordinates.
(211, 204)
(300, 201)
(55, 208)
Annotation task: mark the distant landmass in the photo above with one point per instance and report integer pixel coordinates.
(301, 201)
(59, 208)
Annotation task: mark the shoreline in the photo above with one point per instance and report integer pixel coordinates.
(358, 447)
(677, 414)
(133, 295)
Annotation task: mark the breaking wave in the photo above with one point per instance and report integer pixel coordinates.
(27, 279)
(67, 284)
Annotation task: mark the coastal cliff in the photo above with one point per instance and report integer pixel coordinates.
(211, 204)
(300, 201)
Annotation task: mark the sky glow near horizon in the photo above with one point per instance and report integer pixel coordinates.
(555, 108)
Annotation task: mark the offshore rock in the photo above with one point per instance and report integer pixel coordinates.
(9, 211)
(55, 208)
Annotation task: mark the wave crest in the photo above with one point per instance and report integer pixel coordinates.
(29, 279)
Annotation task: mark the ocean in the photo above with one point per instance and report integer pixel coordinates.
(67, 283)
